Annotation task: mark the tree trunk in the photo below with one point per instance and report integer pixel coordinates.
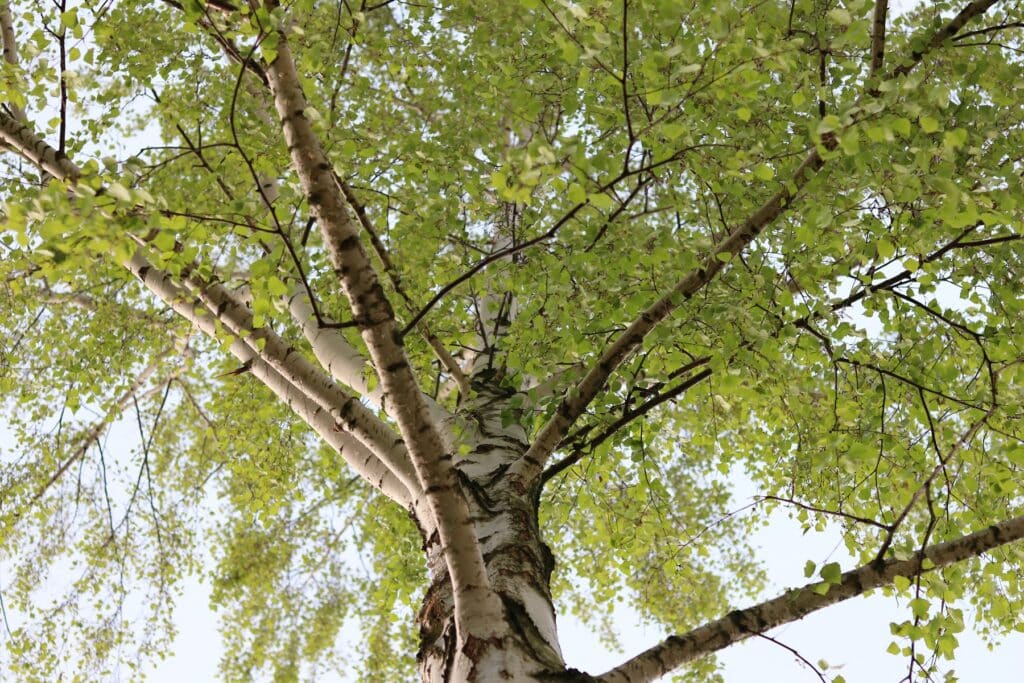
(519, 564)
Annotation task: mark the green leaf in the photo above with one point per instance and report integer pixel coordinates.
(840, 16)
(276, 287)
(119, 192)
(928, 124)
(919, 607)
(576, 194)
(885, 249)
(902, 126)
(164, 241)
(831, 573)
(602, 201)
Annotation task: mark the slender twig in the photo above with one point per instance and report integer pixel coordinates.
(834, 513)
(447, 360)
(793, 651)
(939, 467)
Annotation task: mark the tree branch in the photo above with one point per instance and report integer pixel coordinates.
(23, 140)
(100, 426)
(301, 373)
(10, 50)
(579, 397)
(446, 359)
(375, 470)
(531, 464)
(478, 610)
(345, 364)
(878, 37)
(581, 450)
(797, 603)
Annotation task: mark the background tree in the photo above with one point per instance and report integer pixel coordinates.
(409, 297)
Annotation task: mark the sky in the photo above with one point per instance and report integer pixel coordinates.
(851, 636)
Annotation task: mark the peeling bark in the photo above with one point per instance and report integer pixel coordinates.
(519, 567)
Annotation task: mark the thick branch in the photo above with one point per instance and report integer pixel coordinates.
(24, 141)
(478, 610)
(797, 603)
(335, 354)
(345, 364)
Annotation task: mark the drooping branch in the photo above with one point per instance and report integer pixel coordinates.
(23, 140)
(578, 397)
(230, 48)
(98, 428)
(478, 610)
(797, 603)
(286, 360)
(372, 469)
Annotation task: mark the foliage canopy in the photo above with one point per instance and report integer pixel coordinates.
(537, 268)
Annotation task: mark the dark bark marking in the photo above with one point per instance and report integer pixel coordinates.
(350, 242)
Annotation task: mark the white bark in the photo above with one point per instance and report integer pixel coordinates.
(23, 139)
(345, 364)
(293, 366)
(478, 610)
(10, 50)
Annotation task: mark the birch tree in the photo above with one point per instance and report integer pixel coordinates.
(437, 320)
